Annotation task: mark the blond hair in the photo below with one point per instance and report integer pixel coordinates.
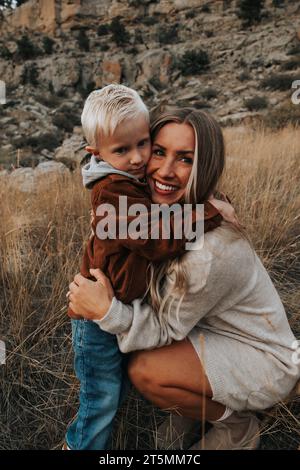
(106, 108)
(207, 169)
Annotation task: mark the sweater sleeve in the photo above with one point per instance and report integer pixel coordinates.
(213, 282)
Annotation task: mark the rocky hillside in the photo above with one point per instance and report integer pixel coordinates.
(54, 52)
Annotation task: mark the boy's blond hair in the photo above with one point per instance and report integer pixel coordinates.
(106, 108)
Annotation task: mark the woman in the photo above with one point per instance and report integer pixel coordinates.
(215, 341)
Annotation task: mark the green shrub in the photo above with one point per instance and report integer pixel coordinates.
(30, 75)
(62, 93)
(201, 104)
(287, 113)
(209, 93)
(148, 20)
(278, 82)
(167, 35)
(51, 88)
(119, 33)
(83, 40)
(208, 33)
(256, 103)
(45, 141)
(84, 88)
(291, 64)
(249, 11)
(48, 44)
(244, 76)
(226, 4)
(136, 3)
(132, 50)
(206, 8)
(48, 99)
(190, 14)
(5, 53)
(26, 49)
(278, 3)
(104, 47)
(103, 30)
(138, 37)
(294, 50)
(156, 83)
(66, 119)
(193, 62)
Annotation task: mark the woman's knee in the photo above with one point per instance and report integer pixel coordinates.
(140, 371)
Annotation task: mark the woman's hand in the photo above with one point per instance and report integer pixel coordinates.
(89, 299)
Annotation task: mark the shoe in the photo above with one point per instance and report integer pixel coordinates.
(177, 432)
(65, 447)
(239, 431)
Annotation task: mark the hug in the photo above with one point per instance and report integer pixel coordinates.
(200, 333)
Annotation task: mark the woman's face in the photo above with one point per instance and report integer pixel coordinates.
(171, 161)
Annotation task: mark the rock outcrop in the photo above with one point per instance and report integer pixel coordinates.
(54, 52)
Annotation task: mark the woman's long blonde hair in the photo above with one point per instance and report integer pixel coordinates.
(207, 169)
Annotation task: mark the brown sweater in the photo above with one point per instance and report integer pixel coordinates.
(125, 261)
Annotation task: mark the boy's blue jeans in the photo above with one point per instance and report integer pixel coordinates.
(102, 371)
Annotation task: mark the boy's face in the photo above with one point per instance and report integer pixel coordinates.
(128, 148)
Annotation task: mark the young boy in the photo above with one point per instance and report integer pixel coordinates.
(116, 125)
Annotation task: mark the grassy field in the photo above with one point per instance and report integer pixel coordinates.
(41, 240)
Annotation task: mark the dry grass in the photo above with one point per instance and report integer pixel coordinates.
(40, 246)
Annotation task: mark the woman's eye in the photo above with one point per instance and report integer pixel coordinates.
(186, 159)
(157, 152)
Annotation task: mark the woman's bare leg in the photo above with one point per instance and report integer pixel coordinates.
(173, 378)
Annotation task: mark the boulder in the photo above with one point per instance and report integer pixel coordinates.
(71, 150)
(3, 174)
(23, 180)
(154, 63)
(50, 168)
(112, 71)
(244, 117)
(62, 72)
(26, 180)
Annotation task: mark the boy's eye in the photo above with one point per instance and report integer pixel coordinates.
(142, 143)
(120, 150)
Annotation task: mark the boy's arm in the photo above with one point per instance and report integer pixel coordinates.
(153, 249)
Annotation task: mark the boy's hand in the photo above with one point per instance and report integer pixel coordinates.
(73, 315)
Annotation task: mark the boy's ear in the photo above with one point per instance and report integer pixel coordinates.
(92, 150)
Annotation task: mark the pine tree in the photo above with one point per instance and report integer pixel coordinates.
(250, 11)
(120, 35)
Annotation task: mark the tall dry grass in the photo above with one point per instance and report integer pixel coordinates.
(41, 239)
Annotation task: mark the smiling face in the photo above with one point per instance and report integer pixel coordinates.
(170, 166)
(128, 148)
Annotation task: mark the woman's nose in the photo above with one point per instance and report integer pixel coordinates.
(166, 169)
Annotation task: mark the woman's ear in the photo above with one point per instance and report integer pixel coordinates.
(92, 150)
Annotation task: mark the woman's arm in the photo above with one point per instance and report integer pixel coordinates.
(215, 284)
(137, 326)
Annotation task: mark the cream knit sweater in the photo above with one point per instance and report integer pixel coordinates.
(230, 293)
